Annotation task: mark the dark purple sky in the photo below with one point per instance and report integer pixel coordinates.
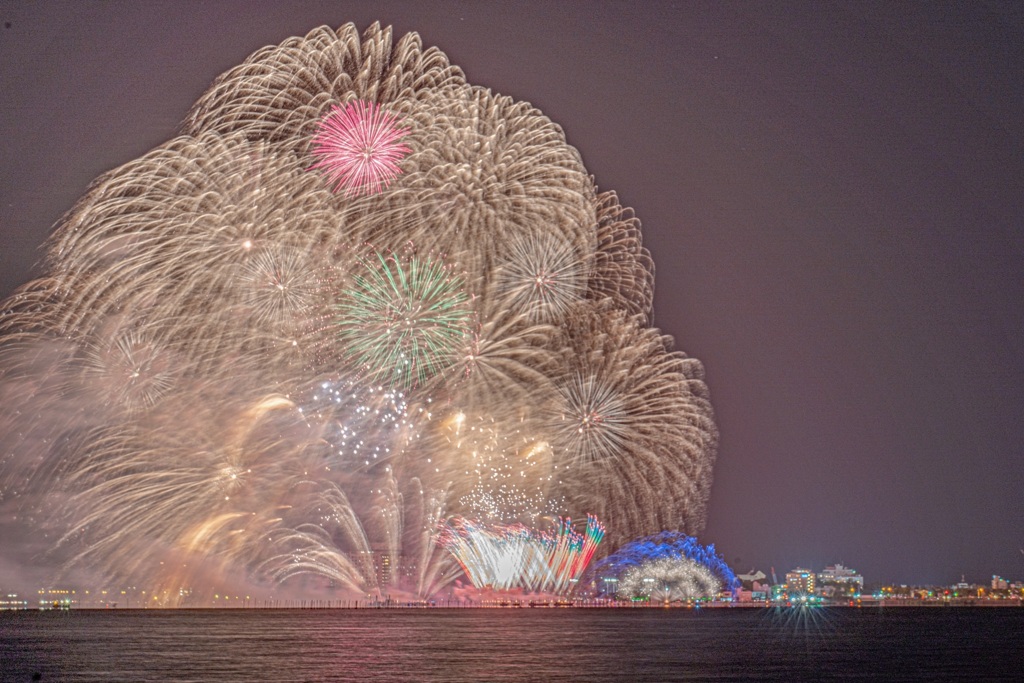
(833, 194)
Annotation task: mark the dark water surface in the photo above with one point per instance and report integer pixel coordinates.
(908, 644)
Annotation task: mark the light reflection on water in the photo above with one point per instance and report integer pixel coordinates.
(512, 645)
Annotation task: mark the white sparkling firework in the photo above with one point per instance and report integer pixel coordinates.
(669, 579)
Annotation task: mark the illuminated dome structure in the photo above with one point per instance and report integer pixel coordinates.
(665, 567)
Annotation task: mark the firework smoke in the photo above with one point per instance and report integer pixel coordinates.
(357, 299)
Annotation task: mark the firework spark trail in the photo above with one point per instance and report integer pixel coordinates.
(669, 580)
(569, 553)
(506, 557)
(360, 147)
(507, 362)
(623, 268)
(635, 434)
(499, 472)
(403, 319)
(491, 558)
(280, 93)
(468, 188)
(231, 372)
(541, 281)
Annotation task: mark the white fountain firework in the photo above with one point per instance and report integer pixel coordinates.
(669, 579)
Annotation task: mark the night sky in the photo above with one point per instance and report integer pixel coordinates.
(833, 194)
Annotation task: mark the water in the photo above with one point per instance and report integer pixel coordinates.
(593, 645)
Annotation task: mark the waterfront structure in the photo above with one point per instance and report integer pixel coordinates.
(839, 579)
(748, 580)
(754, 587)
(12, 601)
(57, 598)
(382, 564)
(800, 582)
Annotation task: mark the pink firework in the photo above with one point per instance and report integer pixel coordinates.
(359, 147)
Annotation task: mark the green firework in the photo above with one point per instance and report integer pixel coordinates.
(403, 319)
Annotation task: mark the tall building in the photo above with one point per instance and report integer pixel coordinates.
(800, 582)
(385, 570)
(407, 571)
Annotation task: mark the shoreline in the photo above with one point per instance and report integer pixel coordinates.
(873, 604)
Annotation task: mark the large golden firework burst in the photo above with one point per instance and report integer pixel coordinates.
(207, 383)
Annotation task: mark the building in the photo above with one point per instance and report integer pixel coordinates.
(748, 580)
(12, 601)
(800, 582)
(57, 598)
(388, 570)
(408, 572)
(382, 564)
(754, 587)
(843, 579)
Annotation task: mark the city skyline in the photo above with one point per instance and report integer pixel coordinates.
(828, 195)
(832, 585)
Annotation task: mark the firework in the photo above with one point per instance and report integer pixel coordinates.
(280, 93)
(359, 147)
(668, 566)
(230, 372)
(499, 471)
(518, 557)
(279, 285)
(669, 580)
(507, 361)
(631, 426)
(365, 424)
(468, 190)
(133, 369)
(569, 552)
(402, 319)
(623, 269)
(499, 558)
(542, 281)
